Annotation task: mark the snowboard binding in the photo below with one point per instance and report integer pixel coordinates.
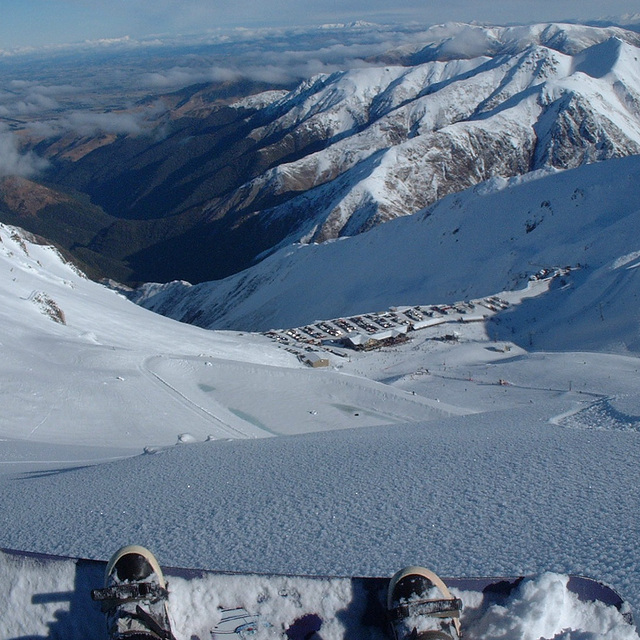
(134, 597)
(420, 607)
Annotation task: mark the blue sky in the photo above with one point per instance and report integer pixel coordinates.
(43, 22)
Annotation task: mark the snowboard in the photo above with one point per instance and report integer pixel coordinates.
(46, 596)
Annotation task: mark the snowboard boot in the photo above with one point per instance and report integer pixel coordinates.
(134, 597)
(420, 607)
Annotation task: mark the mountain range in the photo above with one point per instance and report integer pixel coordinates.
(223, 175)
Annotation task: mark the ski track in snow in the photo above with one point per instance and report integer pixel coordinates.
(223, 428)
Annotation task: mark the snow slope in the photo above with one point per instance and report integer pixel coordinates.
(151, 378)
(484, 240)
(99, 346)
(472, 456)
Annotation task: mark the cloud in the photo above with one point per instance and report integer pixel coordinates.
(113, 24)
(469, 41)
(33, 104)
(25, 97)
(88, 123)
(183, 76)
(280, 55)
(276, 55)
(277, 74)
(49, 110)
(13, 162)
(70, 86)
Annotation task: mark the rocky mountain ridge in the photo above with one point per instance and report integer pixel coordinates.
(211, 189)
(401, 147)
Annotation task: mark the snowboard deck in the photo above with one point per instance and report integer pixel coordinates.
(48, 596)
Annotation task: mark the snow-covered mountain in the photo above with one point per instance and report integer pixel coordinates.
(487, 102)
(351, 469)
(219, 182)
(460, 40)
(486, 239)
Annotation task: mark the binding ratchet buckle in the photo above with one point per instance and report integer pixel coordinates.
(446, 608)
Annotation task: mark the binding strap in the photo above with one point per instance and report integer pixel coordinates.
(448, 608)
(153, 625)
(133, 591)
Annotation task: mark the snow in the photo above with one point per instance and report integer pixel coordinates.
(221, 450)
(544, 609)
(538, 607)
(511, 449)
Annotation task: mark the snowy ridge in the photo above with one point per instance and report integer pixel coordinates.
(465, 40)
(487, 102)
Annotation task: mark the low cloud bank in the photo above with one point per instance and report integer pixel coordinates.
(279, 56)
(86, 123)
(15, 162)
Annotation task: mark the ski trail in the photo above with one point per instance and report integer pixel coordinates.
(515, 385)
(41, 422)
(224, 427)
